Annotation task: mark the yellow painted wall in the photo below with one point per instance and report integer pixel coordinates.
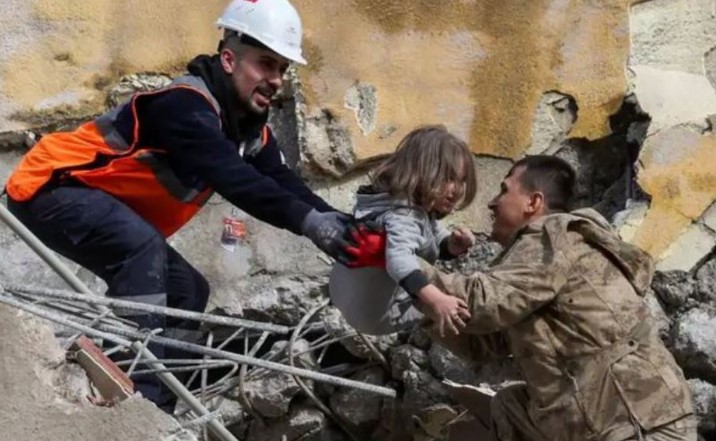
(74, 49)
(478, 66)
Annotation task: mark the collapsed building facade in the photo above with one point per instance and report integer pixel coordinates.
(624, 90)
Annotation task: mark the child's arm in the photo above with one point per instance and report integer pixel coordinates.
(404, 237)
(453, 244)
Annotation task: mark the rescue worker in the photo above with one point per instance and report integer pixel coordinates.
(566, 299)
(109, 194)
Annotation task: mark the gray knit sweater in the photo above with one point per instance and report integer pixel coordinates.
(411, 233)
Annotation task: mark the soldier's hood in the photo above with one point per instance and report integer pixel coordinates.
(636, 264)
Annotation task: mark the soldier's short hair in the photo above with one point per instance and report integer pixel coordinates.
(550, 175)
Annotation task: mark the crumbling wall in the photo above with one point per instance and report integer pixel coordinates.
(44, 398)
(622, 89)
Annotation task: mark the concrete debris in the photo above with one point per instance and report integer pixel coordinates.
(42, 400)
(691, 247)
(706, 282)
(407, 358)
(330, 149)
(271, 394)
(359, 409)
(693, 342)
(362, 99)
(303, 422)
(554, 117)
(705, 405)
(133, 83)
(448, 366)
(673, 287)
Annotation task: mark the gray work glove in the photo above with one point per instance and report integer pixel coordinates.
(328, 231)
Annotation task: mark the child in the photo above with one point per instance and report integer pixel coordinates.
(430, 174)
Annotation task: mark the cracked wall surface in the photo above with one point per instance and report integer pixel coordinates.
(58, 56)
(479, 67)
(672, 77)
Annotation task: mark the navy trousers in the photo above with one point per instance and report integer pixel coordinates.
(105, 236)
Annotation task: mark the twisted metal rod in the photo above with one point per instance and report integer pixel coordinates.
(136, 306)
(304, 387)
(239, 358)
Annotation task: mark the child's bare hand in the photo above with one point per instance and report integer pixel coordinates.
(449, 312)
(460, 241)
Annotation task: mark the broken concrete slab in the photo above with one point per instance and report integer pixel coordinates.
(448, 366)
(271, 393)
(706, 282)
(303, 422)
(39, 402)
(693, 342)
(671, 171)
(671, 35)
(690, 248)
(709, 217)
(674, 98)
(628, 221)
(554, 117)
(361, 410)
(705, 406)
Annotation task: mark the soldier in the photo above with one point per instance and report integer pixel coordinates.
(566, 299)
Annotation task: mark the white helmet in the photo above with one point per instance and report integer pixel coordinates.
(274, 23)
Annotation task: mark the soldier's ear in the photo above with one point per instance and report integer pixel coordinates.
(536, 203)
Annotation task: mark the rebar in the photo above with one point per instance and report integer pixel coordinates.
(198, 349)
(304, 387)
(168, 379)
(154, 309)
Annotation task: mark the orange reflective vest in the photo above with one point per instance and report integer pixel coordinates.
(97, 156)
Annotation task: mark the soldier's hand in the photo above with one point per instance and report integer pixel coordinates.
(450, 313)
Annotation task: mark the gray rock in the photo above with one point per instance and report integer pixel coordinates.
(407, 357)
(693, 342)
(704, 397)
(326, 145)
(305, 423)
(360, 409)
(673, 287)
(270, 393)
(706, 282)
(131, 84)
(362, 99)
(232, 414)
(278, 300)
(448, 366)
(422, 390)
(554, 116)
(477, 259)
(420, 339)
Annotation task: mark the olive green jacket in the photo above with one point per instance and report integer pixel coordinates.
(566, 300)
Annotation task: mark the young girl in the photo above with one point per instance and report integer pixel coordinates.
(430, 174)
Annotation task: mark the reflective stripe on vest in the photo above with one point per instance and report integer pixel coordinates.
(99, 157)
